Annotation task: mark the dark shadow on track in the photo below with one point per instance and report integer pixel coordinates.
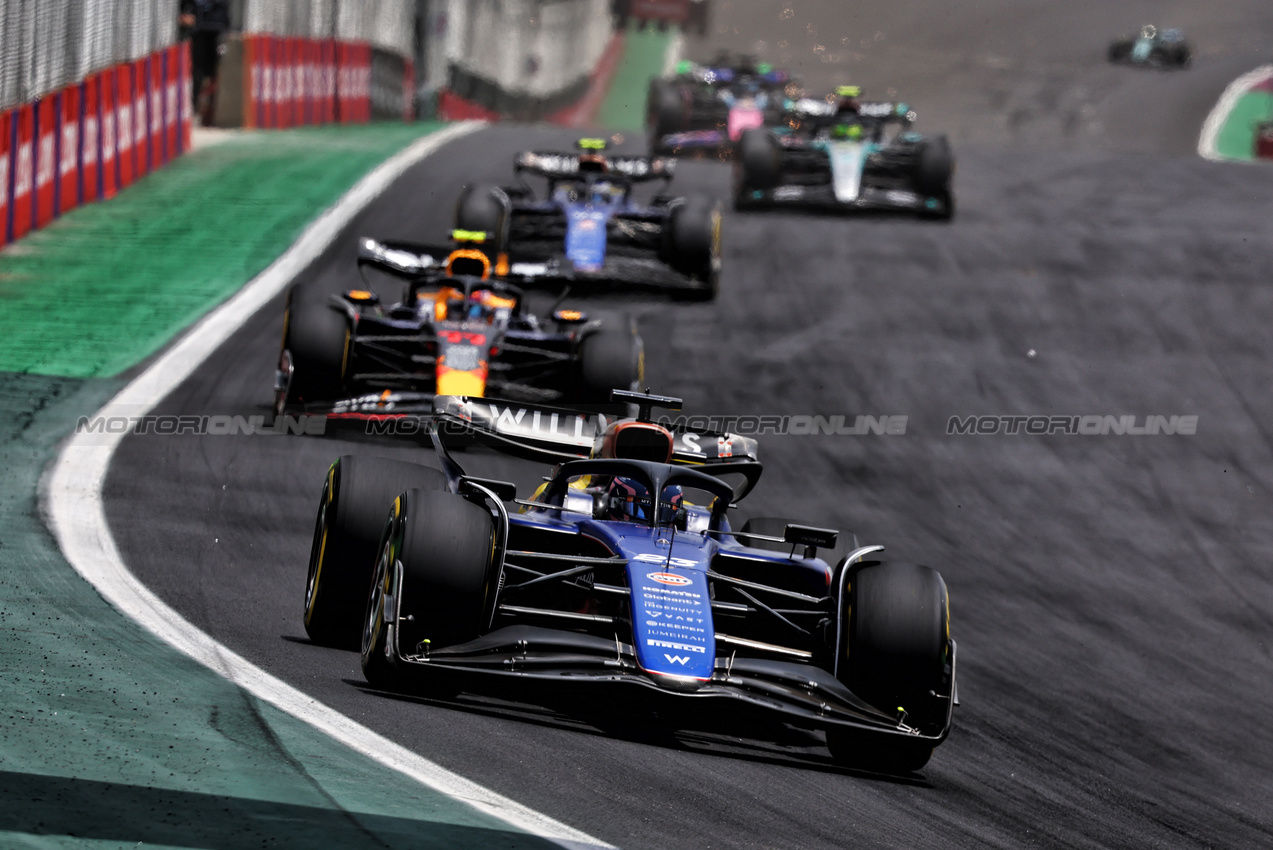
(38, 806)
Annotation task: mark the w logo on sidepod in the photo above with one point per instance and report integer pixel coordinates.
(677, 659)
(669, 578)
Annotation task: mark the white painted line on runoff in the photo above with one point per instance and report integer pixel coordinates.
(1220, 113)
(73, 504)
(672, 54)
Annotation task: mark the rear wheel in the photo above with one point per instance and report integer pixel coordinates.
(620, 11)
(893, 652)
(479, 208)
(610, 359)
(351, 513)
(665, 112)
(698, 18)
(314, 356)
(445, 544)
(759, 161)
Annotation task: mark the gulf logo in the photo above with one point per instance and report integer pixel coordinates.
(669, 578)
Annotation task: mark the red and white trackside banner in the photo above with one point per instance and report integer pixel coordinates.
(6, 168)
(67, 180)
(92, 138)
(291, 82)
(22, 174)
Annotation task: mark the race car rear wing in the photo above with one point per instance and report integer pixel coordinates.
(563, 166)
(557, 434)
(880, 110)
(412, 261)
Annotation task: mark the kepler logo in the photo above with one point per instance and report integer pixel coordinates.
(1086, 426)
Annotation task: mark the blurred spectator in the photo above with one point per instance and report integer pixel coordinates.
(205, 21)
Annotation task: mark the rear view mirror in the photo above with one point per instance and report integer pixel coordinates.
(807, 535)
(505, 491)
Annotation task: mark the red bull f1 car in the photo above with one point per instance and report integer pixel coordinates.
(460, 327)
(624, 572)
(589, 221)
(843, 153)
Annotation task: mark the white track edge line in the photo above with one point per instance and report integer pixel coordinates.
(1220, 112)
(74, 509)
(672, 53)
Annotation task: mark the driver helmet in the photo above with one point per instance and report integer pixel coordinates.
(628, 500)
(600, 192)
(847, 100)
(478, 308)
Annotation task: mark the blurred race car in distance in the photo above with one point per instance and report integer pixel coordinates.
(623, 572)
(706, 108)
(689, 15)
(589, 217)
(461, 327)
(1152, 48)
(1263, 148)
(848, 154)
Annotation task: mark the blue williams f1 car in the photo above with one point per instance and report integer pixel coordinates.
(623, 571)
(589, 218)
(846, 154)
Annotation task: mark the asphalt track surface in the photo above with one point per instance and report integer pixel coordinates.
(1110, 594)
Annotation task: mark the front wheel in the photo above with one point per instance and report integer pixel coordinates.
(933, 174)
(893, 650)
(356, 494)
(881, 755)
(315, 355)
(445, 546)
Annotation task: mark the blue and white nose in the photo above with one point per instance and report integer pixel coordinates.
(672, 630)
